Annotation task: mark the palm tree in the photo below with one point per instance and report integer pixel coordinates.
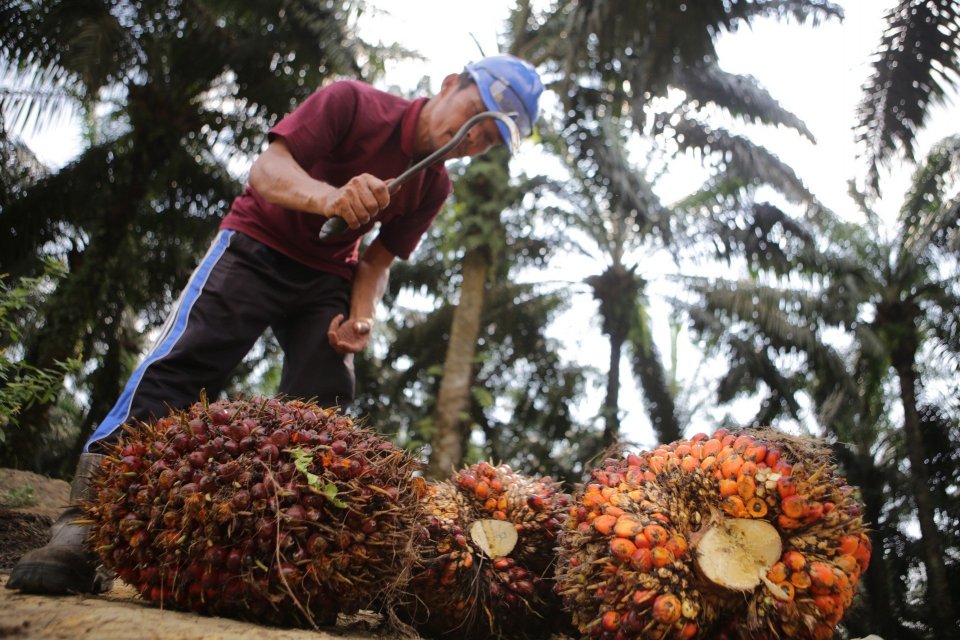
(918, 297)
(604, 194)
(915, 66)
(634, 53)
(619, 211)
(899, 300)
(190, 85)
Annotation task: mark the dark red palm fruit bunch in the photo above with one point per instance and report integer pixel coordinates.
(262, 509)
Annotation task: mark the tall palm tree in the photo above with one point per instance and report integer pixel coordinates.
(619, 211)
(190, 86)
(914, 68)
(604, 193)
(899, 301)
(918, 301)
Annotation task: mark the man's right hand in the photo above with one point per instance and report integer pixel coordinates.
(358, 201)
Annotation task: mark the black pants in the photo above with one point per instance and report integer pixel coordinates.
(239, 289)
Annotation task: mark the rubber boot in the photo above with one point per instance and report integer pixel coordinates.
(65, 565)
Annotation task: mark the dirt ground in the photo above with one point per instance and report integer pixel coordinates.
(118, 614)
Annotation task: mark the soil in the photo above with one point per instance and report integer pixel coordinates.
(25, 518)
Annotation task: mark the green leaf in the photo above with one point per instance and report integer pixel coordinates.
(301, 460)
(483, 397)
(330, 492)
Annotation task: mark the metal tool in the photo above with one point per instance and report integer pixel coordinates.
(336, 225)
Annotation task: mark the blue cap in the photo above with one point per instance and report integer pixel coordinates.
(511, 86)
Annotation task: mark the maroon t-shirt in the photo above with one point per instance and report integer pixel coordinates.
(342, 130)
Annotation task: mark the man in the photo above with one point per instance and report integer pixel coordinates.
(333, 156)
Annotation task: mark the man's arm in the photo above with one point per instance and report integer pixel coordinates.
(278, 177)
(369, 284)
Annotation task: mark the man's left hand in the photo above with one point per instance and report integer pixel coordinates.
(349, 336)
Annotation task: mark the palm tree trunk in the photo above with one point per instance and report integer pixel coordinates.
(939, 597)
(611, 403)
(448, 443)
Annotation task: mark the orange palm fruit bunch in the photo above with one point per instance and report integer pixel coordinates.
(262, 509)
(745, 535)
(485, 549)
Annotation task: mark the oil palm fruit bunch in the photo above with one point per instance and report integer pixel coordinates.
(486, 547)
(278, 511)
(749, 535)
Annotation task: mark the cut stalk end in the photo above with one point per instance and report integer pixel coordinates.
(495, 538)
(735, 553)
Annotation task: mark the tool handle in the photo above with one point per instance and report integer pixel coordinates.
(333, 227)
(336, 225)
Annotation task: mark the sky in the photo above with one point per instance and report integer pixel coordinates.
(817, 73)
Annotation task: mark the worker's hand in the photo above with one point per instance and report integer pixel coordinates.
(350, 336)
(358, 201)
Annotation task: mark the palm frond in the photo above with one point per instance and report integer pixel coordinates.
(644, 42)
(538, 36)
(277, 77)
(916, 64)
(759, 323)
(738, 157)
(631, 195)
(36, 105)
(95, 45)
(58, 202)
(814, 11)
(749, 364)
(734, 229)
(56, 54)
(775, 312)
(624, 205)
(738, 94)
(789, 319)
(944, 318)
(931, 208)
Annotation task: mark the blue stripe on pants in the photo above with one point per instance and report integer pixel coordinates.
(172, 331)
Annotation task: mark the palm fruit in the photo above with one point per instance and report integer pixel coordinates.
(277, 511)
(732, 536)
(485, 554)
